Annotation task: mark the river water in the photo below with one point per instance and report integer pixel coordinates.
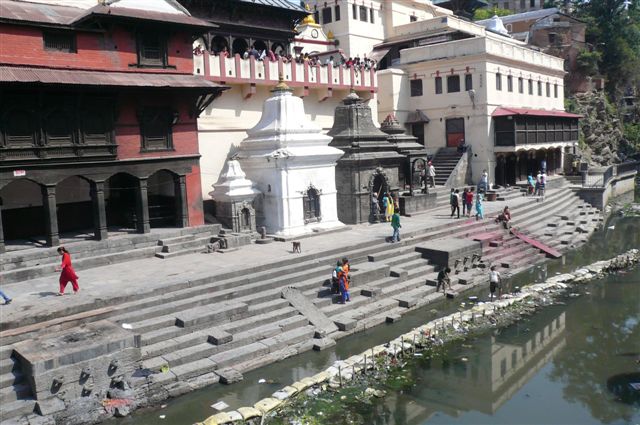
(552, 368)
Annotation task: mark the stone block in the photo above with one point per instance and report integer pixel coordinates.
(218, 336)
(406, 301)
(346, 324)
(370, 291)
(210, 313)
(229, 375)
(400, 273)
(392, 318)
(444, 252)
(323, 343)
(306, 307)
(193, 369)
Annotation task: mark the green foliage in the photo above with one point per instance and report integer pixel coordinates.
(632, 134)
(481, 14)
(588, 61)
(614, 31)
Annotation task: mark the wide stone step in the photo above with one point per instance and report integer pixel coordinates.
(15, 409)
(200, 243)
(14, 392)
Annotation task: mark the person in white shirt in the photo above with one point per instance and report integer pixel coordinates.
(495, 282)
(432, 174)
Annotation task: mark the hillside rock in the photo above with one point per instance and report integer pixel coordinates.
(601, 129)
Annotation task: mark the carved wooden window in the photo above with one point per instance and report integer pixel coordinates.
(60, 41)
(18, 128)
(152, 49)
(155, 128)
(311, 205)
(59, 127)
(97, 125)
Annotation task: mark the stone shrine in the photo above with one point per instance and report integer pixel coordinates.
(293, 166)
(407, 145)
(370, 164)
(233, 195)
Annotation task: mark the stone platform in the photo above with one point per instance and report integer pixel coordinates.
(259, 326)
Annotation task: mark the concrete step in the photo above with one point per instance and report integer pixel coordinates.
(11, 378)
(200, 243)
(14, 392)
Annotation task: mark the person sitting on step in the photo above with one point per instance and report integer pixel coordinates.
(505, 218)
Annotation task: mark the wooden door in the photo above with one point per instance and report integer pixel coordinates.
(455, 131)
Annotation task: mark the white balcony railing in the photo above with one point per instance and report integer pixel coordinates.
(237, 70)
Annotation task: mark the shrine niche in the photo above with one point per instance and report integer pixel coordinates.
(233, 195)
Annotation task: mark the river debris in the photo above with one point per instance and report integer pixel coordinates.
(359, 378)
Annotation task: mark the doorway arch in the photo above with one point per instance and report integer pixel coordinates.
(161, 189)
(239, 46)
(23, 212)
(311, 205)
(120, 198)
(73, 198)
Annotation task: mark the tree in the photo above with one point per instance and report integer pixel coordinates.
(481, 14)
(613, 28)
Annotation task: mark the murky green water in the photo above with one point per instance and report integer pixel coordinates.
(552, 368)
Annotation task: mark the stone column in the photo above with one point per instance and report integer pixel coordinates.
(99, 211)
(2, 248)
(51, 212)
(182, 210)
(142, 207)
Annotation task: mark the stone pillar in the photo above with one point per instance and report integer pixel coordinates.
(99, 211)
(142, 207)
(2, 248)
(51, 212)
(182, 210)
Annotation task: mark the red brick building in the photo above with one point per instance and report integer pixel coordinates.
(98, 119)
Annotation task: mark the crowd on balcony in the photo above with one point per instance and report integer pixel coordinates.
(358, 63)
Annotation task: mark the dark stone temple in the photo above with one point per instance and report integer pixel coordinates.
(370, 164)
(407, 145)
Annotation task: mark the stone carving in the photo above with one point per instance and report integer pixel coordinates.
(233, 195)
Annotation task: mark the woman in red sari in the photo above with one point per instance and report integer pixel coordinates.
(67, 273)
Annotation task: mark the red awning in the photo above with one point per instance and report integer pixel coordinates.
(21, 74)
(505, 112)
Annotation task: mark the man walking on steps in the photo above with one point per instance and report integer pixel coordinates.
(455, 202)
(395, 223)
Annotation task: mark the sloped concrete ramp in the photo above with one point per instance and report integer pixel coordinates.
(317, 318)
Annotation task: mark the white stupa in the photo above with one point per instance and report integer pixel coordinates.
(291, 163)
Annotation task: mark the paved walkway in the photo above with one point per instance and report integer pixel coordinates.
(38, 296)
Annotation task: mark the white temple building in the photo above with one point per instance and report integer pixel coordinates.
(292, 164)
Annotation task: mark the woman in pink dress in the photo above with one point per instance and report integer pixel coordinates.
(67, 274)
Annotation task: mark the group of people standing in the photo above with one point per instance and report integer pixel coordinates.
(387, 204)
(537, 186)
(340, 280)
(466, 198)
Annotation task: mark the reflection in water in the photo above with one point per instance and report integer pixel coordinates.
(481, 377)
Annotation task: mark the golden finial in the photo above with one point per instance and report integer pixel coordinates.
(281, 86)
(330, 35)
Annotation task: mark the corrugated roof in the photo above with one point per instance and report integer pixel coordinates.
(505, 112)
(31, 75)
(38, 13)
(282, 4)
(70, 16)
(145, 15)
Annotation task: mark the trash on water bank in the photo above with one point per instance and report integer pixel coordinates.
(162, 406)
(127, 326)
(261, 381)
(162, 416)
(574, 295)
(221, 405)
(464, 359)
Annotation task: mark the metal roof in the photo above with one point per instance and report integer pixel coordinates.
(50, 14)
(71, 77)
(282, 4)
(144, 15)
(38, 13)
(505, 112)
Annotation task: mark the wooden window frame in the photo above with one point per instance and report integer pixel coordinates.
(416, 87)
(49, 44)
(451, 82)
(438, 85)
(143, 62)
(468, 82)
(146, 141)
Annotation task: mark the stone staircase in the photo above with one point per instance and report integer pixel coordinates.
(445, 160)
(199, 331)
(31, 263)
